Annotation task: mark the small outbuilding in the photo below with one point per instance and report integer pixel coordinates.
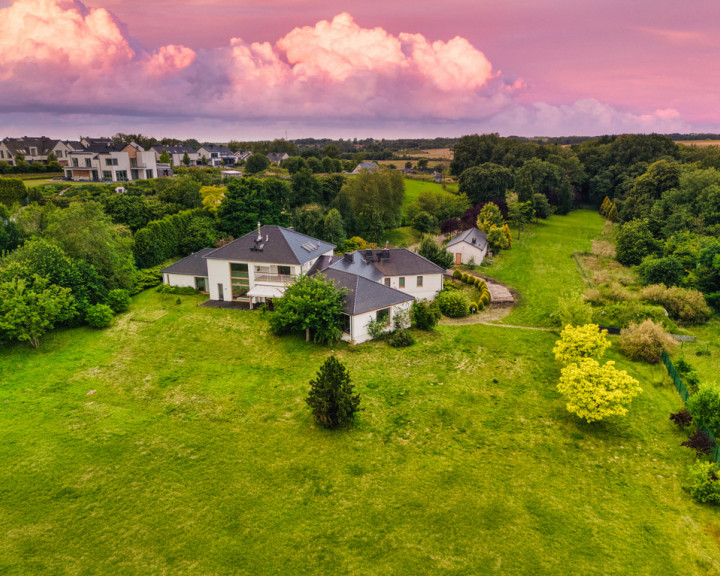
(469, 247)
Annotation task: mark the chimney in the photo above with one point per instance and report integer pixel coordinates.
(348, 257)
(259, 238)
(474, 240)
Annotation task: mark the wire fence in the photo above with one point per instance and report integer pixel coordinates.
(685, 394)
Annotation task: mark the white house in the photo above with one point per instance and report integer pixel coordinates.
(470, 245)
(277, 157)
(366, 167)
(259, 266)
(216, 154)
(111, 163)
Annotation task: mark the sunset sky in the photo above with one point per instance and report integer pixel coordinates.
(251, 69)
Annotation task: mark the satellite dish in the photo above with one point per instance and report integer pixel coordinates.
(120, 190)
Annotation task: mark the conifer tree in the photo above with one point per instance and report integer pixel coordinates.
(331, 395)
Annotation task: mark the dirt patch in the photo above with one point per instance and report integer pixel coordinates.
(489, 315)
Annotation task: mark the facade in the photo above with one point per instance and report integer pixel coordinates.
(111, 163)
(469, 247)
(190, 272)
(35, 149)
(277, 157)
(216, 154)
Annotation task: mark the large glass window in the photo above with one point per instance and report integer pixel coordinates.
(383, 316)
(240, 280)
(107, 175)
(346, 323)
(200, 284)
(284, 270)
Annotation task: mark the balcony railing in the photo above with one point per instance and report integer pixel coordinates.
(280, 278)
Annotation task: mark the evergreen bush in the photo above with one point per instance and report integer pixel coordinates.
(401, 339)
(453, 304)
(331, 397)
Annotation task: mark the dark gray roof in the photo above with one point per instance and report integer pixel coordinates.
(278, 245)
(22, 145)
(193, 265)
(174, 149)
(354, 263)
(388, 262)
(322, 263)
(468, 235)
(364, 295)
(368, 166)
(219, 148)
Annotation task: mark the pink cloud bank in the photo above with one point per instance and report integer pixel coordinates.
(59, 56)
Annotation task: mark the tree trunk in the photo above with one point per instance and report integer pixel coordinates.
(307, 334)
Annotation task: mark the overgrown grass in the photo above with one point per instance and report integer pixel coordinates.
(196, 454)
(414, 187)
(540, 266)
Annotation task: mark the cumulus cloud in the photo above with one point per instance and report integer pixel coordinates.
(60, 56)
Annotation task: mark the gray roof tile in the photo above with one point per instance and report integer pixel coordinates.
(193, 265)
(365, 295)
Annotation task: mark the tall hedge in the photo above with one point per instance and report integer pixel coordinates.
(163, 239)
(12, 190)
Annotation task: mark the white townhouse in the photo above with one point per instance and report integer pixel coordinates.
(177, 154)
(111, 163)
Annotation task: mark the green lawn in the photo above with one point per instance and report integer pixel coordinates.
(540, 266)
(197, 455)
(402, 237)
(414, 187)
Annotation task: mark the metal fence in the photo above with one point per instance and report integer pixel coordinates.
(685, 394)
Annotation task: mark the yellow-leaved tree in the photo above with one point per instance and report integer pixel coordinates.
(594, 391)
(578, 342)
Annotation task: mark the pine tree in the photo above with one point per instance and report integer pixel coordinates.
(331, 395)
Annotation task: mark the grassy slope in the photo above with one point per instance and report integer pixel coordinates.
(197, 455)
(540, 266)
(414, 187)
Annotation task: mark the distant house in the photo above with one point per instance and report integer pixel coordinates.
(111, 162)
(33, 149)
(177, 154)
(366, 167)
(241, 156)
(469, 245)
(258, 267)
(216, 154)
(277, 157)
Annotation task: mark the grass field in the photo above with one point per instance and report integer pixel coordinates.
(700, 143)
(414, 187)
(177, 442)
(540, 265)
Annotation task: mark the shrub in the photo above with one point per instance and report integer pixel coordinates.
(577, 342)
(179, 290)
(331, 397)
(700, 442)
(702, 482)
(594, 392)
(465, 277)
(401, 339)
(705, 408)
(424, 222)
(485, 299)
(449, 285)
(683, 304)
(573, 310)
(453, 304)
(481, 305)
(99, 315)
(622, 314)
(457, 274)
(377, 329)
(473, 308)
(119, 300)
(682, 418)
(147, 278)
(424, 314)
(668, 271)
(646, 342)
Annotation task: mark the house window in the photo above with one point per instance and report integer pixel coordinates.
(419, 281)
(111, 161)
(387, 281)
(107, 175)
(401, 281)
(346, 323)
(240, 280)
(149, 174)
(200, 284)
(88, 162)
(121, 175)
(2, 154)
(133, 162)
(383, 316)
(284, 270)
(76, 162)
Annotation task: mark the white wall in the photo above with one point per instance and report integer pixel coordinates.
(358, 323)
(179, 280)
(219, 273)
(432, 284)
(468, 252)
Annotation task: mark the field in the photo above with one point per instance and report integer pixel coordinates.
(540, 266)
(177, 442)
(701, 143)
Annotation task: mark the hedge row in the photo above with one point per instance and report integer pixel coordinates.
(162, 239)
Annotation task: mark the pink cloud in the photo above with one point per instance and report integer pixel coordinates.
(59, 56)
